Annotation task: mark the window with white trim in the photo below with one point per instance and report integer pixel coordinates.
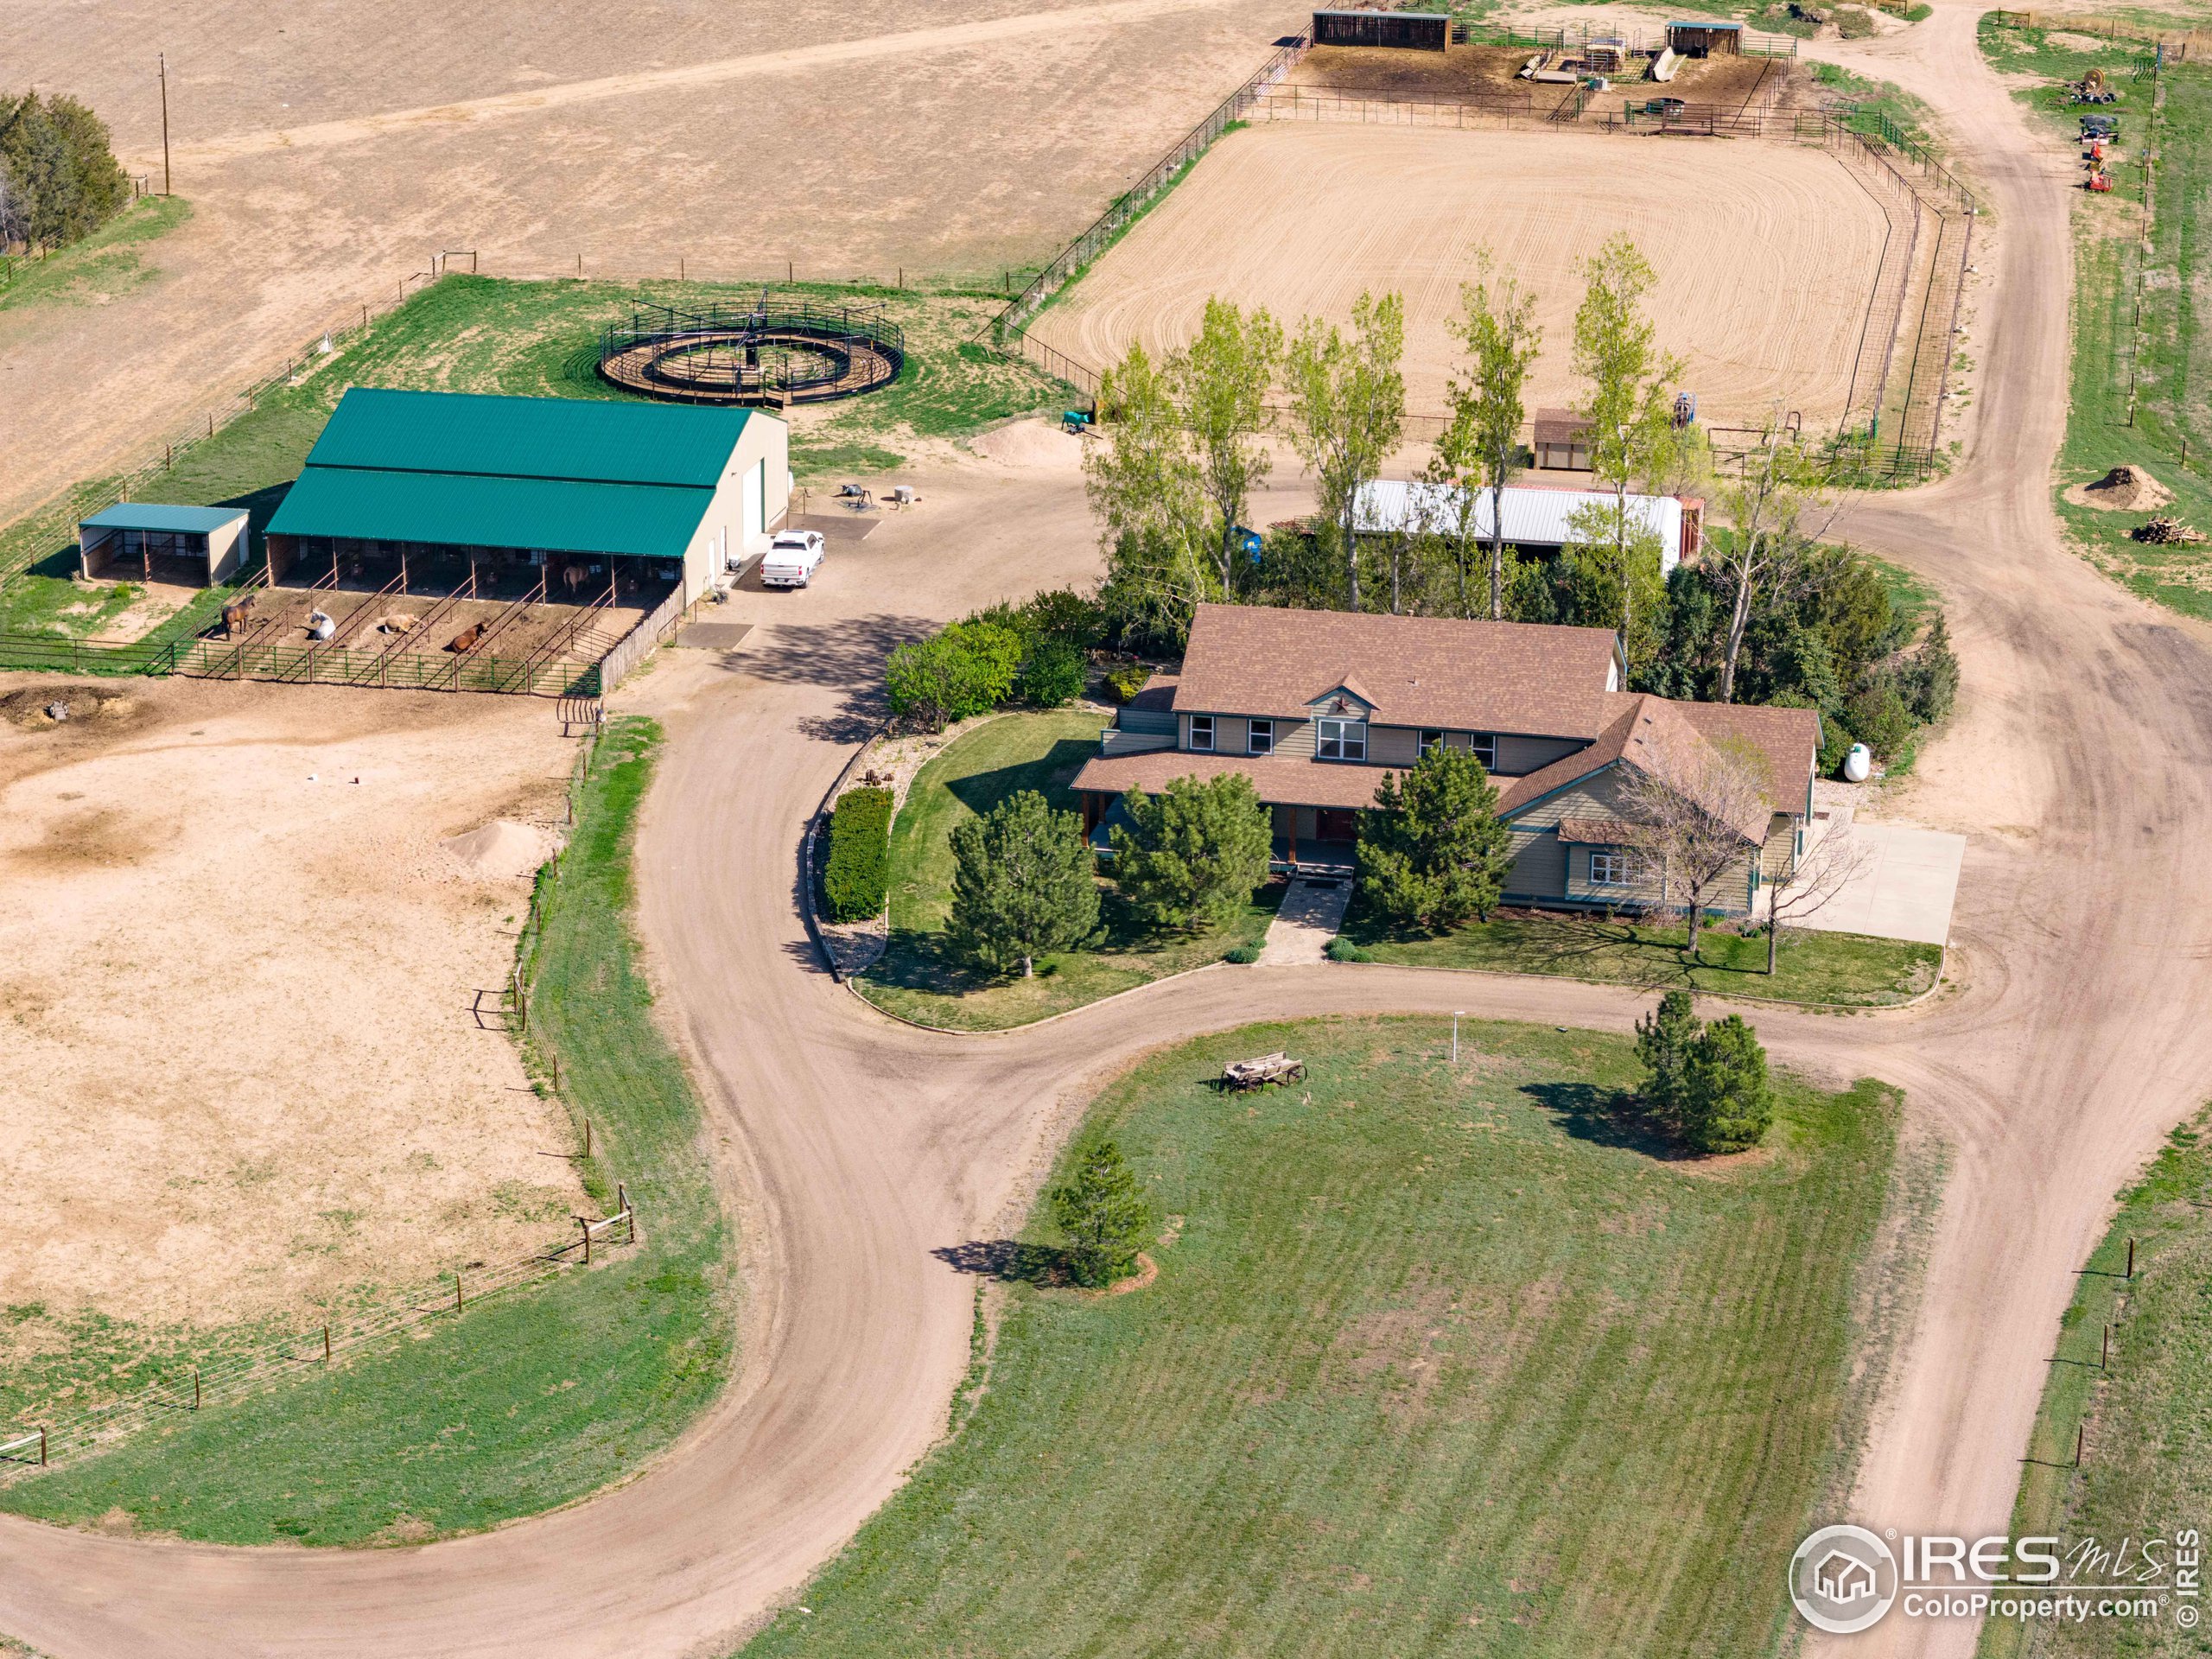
(1260, 737)
(1611, 866)
(1430, 739)
(1202, 732)
(1342, 739)
(1483, 747)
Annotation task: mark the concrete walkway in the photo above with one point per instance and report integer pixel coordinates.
(1312, 913)
(1905, 889)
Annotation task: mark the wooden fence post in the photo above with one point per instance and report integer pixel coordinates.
(196, 1388)
(326, 1345)
(2131, 1258)
(585, 1226)
(456, 1290)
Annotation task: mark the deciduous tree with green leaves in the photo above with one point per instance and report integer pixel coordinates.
(1191, 856)
(1220, 385)
(1629, 405)
(1480, 449)
(1433, 853)
(1151, 506)
(1022, 885)
(966, 668)
(1348, 408)
(1781, 482)
(1104, 1214)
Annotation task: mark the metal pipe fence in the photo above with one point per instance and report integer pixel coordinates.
(303, 664)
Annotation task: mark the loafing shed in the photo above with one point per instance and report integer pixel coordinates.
(1705, 40)
(448, 487)
(193, 544)
(1415, 31)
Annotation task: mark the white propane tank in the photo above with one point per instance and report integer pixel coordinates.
(1857, 763)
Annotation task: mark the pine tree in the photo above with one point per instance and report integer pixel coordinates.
(1727, 1098)
(1663, 1041)
(1103, 1214)
(1433, 853)
(1192, 854)
(1021, 884)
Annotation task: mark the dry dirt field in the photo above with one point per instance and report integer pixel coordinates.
(236, 968)
(328, 150)
(1488, 72)
(1765, 252)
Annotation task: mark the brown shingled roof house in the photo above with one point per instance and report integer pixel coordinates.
(1314, 706)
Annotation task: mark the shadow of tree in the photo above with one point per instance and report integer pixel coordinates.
(1008, 1260)
(1606, 1117)
(1049, 774)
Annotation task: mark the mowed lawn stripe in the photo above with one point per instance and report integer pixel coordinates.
(1438, 1362)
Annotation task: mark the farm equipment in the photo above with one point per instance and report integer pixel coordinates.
(2100, 181)
(2101, 126)
(1240, 1077)
(1078, 422)
(2092, 88)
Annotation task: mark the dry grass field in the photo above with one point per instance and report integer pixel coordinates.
(329, 151)
(1766, 253)
(236, 970)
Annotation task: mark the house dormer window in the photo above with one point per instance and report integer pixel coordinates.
(1260, 737)
(1430, 739)
(1483, 747)
(1202, 732)
(1342, 739)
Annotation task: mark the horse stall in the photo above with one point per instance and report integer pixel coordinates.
(1410, 31)
(192, 546)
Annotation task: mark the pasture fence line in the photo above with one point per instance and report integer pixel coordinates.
(304, 665)
(68, 1433)
(1125, 208)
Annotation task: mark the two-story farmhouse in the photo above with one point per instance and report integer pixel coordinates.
(1313, 706)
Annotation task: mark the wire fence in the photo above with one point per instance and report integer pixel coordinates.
(305, 663)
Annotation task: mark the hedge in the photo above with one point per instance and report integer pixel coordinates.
(856, 881)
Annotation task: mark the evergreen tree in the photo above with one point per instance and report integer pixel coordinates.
(1433, 853)
(1664, 1038)
(1192, 854)
(1021, 884)
(1727, 1100)
(1103, 1214)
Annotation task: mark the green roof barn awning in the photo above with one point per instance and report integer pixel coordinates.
(157, 515)
(561, 515)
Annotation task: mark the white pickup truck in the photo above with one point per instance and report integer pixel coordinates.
(791, 558)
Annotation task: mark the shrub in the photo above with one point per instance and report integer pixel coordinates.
(1192, 854)
(856, 878)
(1343, 950)
(1021, 884)
(1243, 956)
(1126, 680)
(1103, 1213)
(1879, 717)
(1854, 23)
(1052, 675)
(1932, 674)
(59, 178)
(1063, 614)
(967, 669)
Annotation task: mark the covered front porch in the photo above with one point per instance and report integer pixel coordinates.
(1307, 840)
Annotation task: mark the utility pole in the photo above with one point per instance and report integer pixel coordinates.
(163, 58)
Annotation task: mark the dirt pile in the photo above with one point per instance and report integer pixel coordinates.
(501, 850)
(1030, 443)
(2124, 489)
(34, 708)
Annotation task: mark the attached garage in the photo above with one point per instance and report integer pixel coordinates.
(154, 542)
(429, 490)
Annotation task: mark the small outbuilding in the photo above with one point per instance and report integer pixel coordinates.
(1705, 40)
(151, 540)
(1560, 440)
(1412, 31)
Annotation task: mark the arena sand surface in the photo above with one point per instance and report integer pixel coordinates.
(330, 150)
(1766, 253)
(235, 986)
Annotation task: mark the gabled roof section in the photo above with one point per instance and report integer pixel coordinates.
(1664, 740)
(1429, 671)
(561, 515)
(585, 440)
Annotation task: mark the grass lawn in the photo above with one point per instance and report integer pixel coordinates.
(103, 267)
(2146, 1469)
(530, 1399)
(1438, 1361)
(1844, 969)
(541, 338)
(2167, 359)
(916, 979)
